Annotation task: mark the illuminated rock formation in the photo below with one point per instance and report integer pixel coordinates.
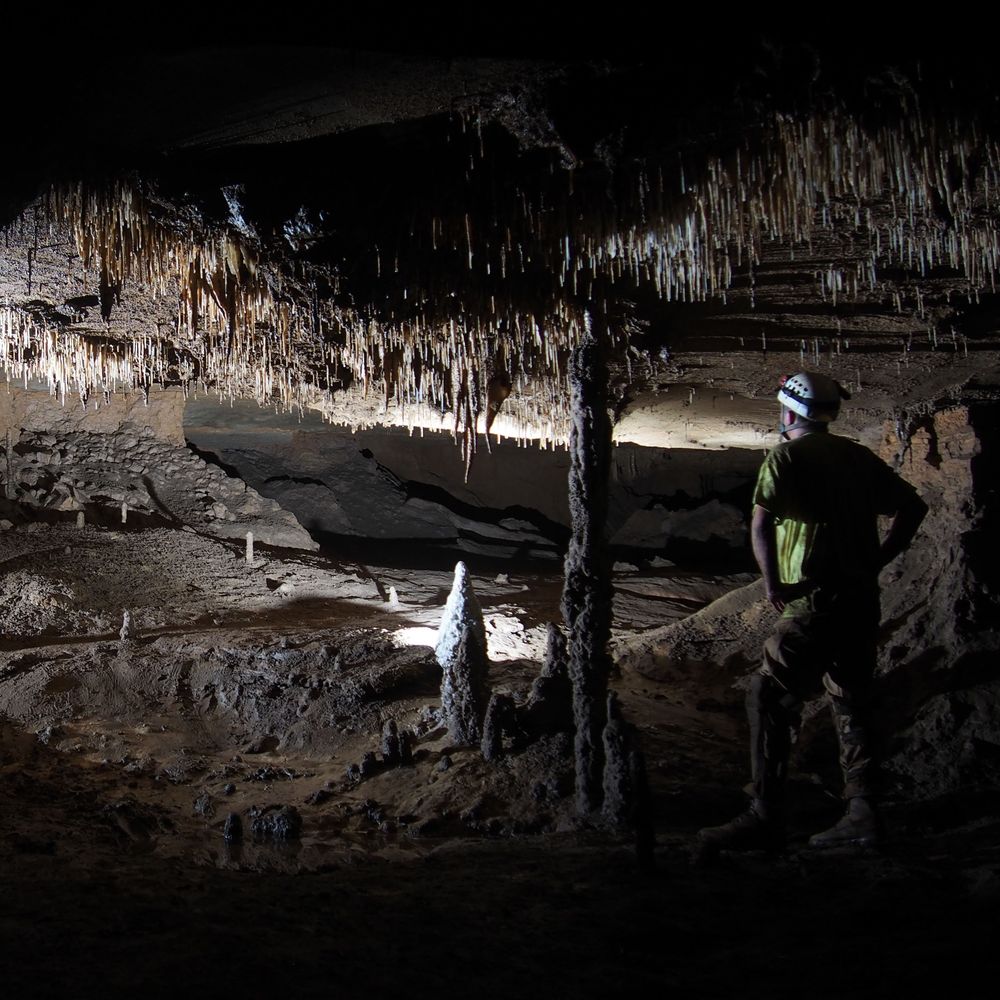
(461, 651)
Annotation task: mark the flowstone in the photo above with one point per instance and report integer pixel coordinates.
(461, 652)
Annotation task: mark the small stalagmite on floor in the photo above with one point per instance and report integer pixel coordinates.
(618, 792)
(129, 631)
(501, 719)
(395, 746)
(626, 786)
(550, 704)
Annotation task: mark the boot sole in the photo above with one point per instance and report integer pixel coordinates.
(869, 841)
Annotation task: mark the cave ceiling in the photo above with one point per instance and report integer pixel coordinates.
(416, 227)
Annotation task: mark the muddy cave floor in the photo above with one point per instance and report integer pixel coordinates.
(257, 685)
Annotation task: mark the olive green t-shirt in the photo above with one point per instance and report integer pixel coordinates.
(826, 493)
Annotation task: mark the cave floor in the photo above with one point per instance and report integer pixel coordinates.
(547, 916)
(257, 685)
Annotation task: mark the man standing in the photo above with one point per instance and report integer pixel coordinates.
(816, 540)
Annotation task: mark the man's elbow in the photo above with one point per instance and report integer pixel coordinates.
(761, 517)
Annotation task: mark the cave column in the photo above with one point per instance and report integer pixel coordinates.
(586, 599)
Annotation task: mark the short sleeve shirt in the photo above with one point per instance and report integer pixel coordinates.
(826, 493)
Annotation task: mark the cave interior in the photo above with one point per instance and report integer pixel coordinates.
(375, 396)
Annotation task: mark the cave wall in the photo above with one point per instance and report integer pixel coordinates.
(161, 414)
(940, 606)
(61, 459)
(389, 484)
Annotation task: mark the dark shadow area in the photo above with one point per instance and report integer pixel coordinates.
(421, 553)
(210, 458)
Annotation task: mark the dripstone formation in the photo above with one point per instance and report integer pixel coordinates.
(501, 719)
(586, 600)
(617, 785)
(461, 651)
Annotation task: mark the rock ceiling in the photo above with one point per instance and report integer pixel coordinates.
(406, 237)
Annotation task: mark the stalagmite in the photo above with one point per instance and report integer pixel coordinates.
(128, 630)
(249, 554)
(232, 832)
(550, 703)
(461, 651)
(393, 744)
(277, 823)
(618, 793)
(80, 519)
(124, 512)
(500, 720)
(586, 598)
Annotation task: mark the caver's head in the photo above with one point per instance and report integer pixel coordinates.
(809, 401)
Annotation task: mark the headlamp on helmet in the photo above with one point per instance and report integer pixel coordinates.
(813, 396)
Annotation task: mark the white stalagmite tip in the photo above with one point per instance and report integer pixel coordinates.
(128, 629)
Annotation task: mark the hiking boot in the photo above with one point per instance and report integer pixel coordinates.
(858, 827)
(750, 831)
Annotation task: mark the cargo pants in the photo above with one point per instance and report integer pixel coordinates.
(829, 641)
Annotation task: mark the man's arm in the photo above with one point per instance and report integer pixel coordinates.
(765, 551)
(904, 526)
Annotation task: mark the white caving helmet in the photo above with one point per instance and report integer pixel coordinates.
(813, 396)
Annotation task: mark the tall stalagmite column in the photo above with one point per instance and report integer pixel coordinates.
(586, 599)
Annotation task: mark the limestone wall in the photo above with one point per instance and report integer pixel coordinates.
(36, 410)
(126, 452)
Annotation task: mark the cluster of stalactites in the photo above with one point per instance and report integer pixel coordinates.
(468, 367)
(74, 363)
(92, 368)
(240, 333)
(913, 194)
